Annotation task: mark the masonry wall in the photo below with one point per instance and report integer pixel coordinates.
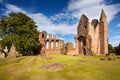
(96, 37)
(91, 39)
(72, 52)
(52, 51)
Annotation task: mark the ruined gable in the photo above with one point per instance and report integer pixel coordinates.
(82, 29)
(94, 22)
(92, 37)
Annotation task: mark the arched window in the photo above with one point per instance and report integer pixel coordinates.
(56, 44)
(83, 40)
(52, 45)
(47, 45)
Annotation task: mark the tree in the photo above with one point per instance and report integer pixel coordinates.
(20, 30)
(110, 49)
(117, 50)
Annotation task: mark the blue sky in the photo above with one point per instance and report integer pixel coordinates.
(61, 17)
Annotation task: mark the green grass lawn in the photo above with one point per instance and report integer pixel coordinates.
(78, 68)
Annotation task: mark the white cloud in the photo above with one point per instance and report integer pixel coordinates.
(43, 22)
(80, 4)
(118, 25)
(115, 40)
(13, 8)
(93, 8)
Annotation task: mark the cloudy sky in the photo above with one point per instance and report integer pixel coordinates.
(61, 17)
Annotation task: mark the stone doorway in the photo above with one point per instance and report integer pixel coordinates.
(84, 51)
(82, 45)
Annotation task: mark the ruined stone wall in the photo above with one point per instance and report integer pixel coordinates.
(105, 38)
(91, 33)
(95, 38)
(53, 51)
(72, 52)
(91, 39)
(69, 45)
(50, 44)
(70, 49)
(42, 42)
(54, 45)
(103, 32)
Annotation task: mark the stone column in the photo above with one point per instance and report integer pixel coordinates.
(62, 43)
(49, 41)
(80, 46)
(54, 42)
(49, 44)
(59, 44)
(76, 42)
(42, 42)
(90, 52)
(77, 45)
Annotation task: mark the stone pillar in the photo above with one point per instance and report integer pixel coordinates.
(49, 44)
(49, 41)
(104, 26)
(76, 42)
(58, 44)
(54, 42)
(42, 42)
(77, 45)
(88, 45)
(62, 43)
(80, 46)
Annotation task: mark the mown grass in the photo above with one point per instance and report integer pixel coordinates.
(78, 68)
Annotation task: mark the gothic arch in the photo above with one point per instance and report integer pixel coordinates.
(82, 45)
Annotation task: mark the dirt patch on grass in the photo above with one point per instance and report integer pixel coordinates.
(44, 56)
(110, 59)
(83, 61)
(53, 66)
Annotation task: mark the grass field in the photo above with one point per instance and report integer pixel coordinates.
(78, 68)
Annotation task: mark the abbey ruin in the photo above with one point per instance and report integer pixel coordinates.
(91, 39)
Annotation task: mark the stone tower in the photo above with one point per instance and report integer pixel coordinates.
(92, 37)
(104, 33)
(42, 42)
(83, 40)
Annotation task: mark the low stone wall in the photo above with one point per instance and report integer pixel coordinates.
(71, 52)
(52, 51)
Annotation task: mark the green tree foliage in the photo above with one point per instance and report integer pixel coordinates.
(117, 50)
(110, 49)
(20, 30)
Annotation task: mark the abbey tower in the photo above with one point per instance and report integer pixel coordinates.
(92, 38)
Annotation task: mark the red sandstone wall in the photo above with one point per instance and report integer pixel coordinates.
(52, 51)
(71, 52)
